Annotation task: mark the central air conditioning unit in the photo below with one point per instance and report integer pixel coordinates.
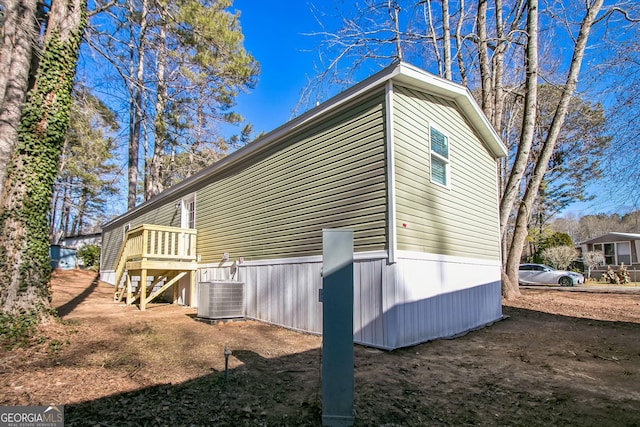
(220, 299)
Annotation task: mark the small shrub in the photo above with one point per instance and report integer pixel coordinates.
(623, 274)
(90, 255)
(611, 277)
(560, 257)
(617, 277)
(593, 259)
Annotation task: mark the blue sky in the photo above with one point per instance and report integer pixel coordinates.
(277, 35)
(274, 35)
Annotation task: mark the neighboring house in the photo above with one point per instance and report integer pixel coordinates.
(81, 240)
(405, 159)
(617, 248)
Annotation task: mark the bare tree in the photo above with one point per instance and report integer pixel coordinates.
(592, 260)
(524, 210)
(497, 53)
(19, 36)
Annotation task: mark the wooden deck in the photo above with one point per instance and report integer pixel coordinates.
(165, 253)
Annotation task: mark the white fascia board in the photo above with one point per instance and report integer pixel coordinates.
(459, 94)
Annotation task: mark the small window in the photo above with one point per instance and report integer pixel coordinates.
(439, 157)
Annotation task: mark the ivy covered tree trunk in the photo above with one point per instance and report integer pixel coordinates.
(19, 32)
(28, 187)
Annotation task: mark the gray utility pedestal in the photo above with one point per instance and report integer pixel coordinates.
(337, 328)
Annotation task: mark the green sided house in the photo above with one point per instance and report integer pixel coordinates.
(405, 159)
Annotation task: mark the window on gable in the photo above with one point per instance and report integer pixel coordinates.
(439, 157)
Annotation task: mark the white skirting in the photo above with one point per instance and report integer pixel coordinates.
(419, 298)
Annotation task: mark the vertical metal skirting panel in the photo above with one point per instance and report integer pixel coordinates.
(284, 294)
(395, 305)
(368, 308)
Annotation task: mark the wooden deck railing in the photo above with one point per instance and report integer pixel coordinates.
(156, 242)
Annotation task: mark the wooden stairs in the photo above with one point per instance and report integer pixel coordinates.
(163, 254)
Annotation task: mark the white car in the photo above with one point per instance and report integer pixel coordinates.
(543, 274)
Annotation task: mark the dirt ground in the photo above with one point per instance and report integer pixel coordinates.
(560, 358)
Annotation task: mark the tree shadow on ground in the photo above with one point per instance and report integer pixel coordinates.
(534, 368)
(69, 306)
(261, 391)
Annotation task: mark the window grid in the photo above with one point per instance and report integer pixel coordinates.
(439, 157)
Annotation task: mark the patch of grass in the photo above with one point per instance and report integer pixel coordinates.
(600, 283)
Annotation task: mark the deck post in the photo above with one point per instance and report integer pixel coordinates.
(192, 288)
(145, 236)
(128, 289)
(175, 292)
(143, 289)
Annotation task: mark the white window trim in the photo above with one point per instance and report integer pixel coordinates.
(183, 210)
(447, 161)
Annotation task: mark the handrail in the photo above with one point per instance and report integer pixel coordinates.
(156, 242)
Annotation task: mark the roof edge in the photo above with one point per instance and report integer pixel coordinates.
(398, 71)
(633, 236)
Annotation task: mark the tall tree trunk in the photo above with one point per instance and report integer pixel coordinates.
(428, 17)
(394, 16)
(19, 33)
(446, 39)
(155, 179)
(461, 67)
(510, 287)
(66, 209)
(136, 108)
(529, 116)
(483, 58)
(498, 70)
(27, 193)
(524, 211)
(78, 222)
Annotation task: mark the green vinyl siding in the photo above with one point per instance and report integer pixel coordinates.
(112, 237)
(461, 220)
(276, 203)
